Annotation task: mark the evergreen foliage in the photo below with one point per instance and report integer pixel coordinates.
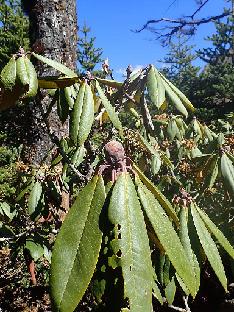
(179, 68)
(13, 29)
(217, 80)
(88, 56)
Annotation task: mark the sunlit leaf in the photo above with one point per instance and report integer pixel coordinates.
(34, 197)
(164, 229)
(176, 101)
(216, 232)
(56, 65)
(170, 291)
(110, 83)
(227, 170)
(164, 202)
(125, 214)
(109, 108)
(185, 240)
(183, 98)
(77, 247)
(209, 247)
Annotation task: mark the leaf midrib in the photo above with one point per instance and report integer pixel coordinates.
(60, 303)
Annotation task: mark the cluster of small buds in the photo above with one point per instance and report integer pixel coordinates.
(184, 199)
(161, 117)
(184, 167)
(225, 149)
(189, 144)
(165, 144)
(229, 143)
(230, 140)
(133, 143)
(21, 167)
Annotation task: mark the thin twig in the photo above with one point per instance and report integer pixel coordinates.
(4, 239)
(175, 26)
(186, 303)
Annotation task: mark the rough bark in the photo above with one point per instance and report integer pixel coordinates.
(53, 33)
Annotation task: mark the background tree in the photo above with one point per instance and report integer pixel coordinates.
(88, 56)
(217, 77)
(178, 66)
(13, 29)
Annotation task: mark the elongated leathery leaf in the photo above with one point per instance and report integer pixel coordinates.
(180, 94)
(125, 213)
(227, 170)
(77, 247)
(164, 202)
(34, 197)
(161, 91)
(185, 240)
(167, 236)
(109, 108)
(110, 83)
(152, 86)
(87, 115)
(216, 232)
(170, 291)
(56, 65)
(209, 247)
(175, 99)
(76, 114)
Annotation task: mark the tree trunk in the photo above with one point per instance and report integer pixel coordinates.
(53, 33)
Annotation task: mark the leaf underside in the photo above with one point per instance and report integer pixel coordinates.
(134, 252)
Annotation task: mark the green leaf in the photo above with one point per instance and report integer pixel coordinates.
(180, 94)
(33, 82)
(69, 93)
(6, 210)
(21, 72)
(34, 197)
(110, 109)
(157, 293)
(87, 115)
(110, 83)
(76, 113)
(152, 86)
(125, 214)
(161, 91)
(56, 82)
(209, 247)
(212, 171)
(172, 129)
(164, 202)
(36, 250)
(170, 291)
(167, 236)
(78, 156)
(213, 229)
(82, 115)
(185, 240)
(166, 160)
(8, 75)
(56, 65)
(230, 156)
(155, 163)
(77, 247)
(175, 99)
(227, 170)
